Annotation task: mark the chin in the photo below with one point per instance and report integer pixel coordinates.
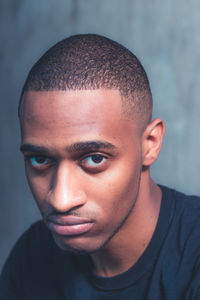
(79, 245)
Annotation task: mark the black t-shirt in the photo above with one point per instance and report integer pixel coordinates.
(169, 269)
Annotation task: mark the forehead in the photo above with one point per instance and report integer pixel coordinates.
(73, 114)
(82, 103)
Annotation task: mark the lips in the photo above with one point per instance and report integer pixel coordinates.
(69, 225)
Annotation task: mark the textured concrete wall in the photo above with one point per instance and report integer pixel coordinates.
(163, 34)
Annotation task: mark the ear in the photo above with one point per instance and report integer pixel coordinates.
(152, 141)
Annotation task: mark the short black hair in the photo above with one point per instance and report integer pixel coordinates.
(91, 61)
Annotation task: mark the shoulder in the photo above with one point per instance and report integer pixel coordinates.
(180, 254)
(30, 243)
(37, 234)
(185, 214)
(187, 204)
(182, 240)
(32, 263)
(33, 238)
(184, 228)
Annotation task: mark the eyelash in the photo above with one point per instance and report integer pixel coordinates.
(82, 162)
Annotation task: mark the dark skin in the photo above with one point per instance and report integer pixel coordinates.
(85, 159)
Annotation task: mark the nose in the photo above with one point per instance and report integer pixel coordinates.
(66, 193)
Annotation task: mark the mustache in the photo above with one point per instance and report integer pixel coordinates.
(75, 213)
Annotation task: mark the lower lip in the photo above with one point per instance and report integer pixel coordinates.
(69, 230)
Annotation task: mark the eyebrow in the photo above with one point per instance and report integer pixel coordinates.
(89, 146)
(32, 148)
(76, 147)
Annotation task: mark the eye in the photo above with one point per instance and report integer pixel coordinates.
(94, 160)
(94, 163)
(39, 161)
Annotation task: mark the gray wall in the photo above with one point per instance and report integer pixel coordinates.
(163, 34)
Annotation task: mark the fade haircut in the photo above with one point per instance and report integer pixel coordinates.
(90, 61)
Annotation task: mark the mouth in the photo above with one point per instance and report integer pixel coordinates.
(69, 225)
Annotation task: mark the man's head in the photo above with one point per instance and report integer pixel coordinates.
(87, 139)
(94, 62)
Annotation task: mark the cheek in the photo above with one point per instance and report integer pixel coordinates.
(115, 191)
(38, 186)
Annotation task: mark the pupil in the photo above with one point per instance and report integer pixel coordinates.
(97, 158)
(40, 159)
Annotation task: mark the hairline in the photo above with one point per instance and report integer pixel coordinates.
(128, 114)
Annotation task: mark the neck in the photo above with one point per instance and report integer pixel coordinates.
(129, 243)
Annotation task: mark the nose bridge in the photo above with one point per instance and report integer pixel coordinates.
(65, 193)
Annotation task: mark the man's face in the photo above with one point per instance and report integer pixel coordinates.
(83, 162)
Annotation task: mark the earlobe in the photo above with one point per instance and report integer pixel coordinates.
(152, 141)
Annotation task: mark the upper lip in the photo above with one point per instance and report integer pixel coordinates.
(68, 220)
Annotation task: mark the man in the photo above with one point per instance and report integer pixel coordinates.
(88, 140)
